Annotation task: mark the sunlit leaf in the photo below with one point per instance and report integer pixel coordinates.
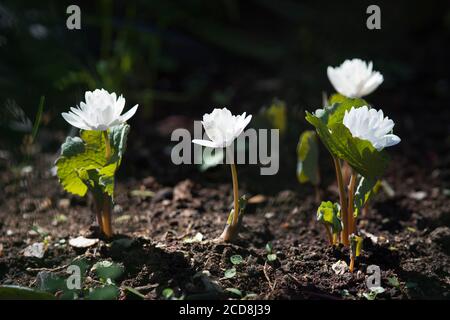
(360, 154)
(83, 164)
(328, 213)
(308, 158)
(363, 192)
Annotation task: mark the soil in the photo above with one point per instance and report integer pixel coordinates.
(407, 236)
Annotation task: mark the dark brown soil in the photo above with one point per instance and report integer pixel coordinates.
(413, 238)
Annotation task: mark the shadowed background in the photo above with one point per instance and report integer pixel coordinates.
(179, 59)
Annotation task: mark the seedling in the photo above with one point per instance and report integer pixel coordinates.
(328, 214)
(89, 162)
(223, 128)
(271, 255)
(236, 259)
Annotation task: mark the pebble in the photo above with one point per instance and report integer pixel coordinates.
(36, 250)
(64, 204)
(82, 242)
(418, 195)
(340, 267)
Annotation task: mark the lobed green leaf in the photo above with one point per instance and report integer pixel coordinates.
(360, 154)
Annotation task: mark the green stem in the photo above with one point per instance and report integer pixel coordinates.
(351, 194)
(235, 194)
(343, 201)
(107, 145)
(105, 221)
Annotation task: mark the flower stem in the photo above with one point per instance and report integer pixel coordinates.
(105, 212)
(235, 194)
(342, 200)
(351, 194)
(330, 237)
(107, 145)
(232, 228)
(352, 264)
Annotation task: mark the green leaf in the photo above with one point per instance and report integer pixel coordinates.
(50, 282)
(234, 291)
(135, 292)
(23, 293)
(118, 138)
(393, 281)
(167, 293)
(108, 270)
(308, 158)
(269, 247)
(360, 154)
(108, 292)
(328, 213)
(236, 259)
(337, 98)
(271, 257)
(230, 273)
(277, 115)
(363, 192)
(355, 245)
(37, 119)
(83, 165)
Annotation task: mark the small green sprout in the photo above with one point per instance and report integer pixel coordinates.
(355, 249)
(271, 256)
(230, 273)
(328, 214)
(167, 293)
(236, 259)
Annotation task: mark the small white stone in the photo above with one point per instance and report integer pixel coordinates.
(82, 242)
(340, 267)
(418, 195)
(36, 250)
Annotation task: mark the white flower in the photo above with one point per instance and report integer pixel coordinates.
(354, 78)
(100, 111)
(222, 128)
(370, 124)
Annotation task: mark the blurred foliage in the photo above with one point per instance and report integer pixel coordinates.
(182, 57)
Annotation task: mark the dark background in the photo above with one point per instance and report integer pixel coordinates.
(179, 59)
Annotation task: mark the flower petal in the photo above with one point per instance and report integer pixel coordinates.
(127, 115)
(205, 143)
(75, 121)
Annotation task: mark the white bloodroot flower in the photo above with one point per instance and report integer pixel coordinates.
(100, 111)
(354, 78)
(222, 128)
(370, 124)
